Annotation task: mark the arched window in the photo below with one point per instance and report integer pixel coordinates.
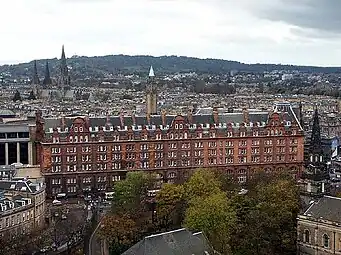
(325, 240)
(306, 237)
(172, 175)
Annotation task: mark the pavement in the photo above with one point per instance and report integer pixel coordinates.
(96, 245)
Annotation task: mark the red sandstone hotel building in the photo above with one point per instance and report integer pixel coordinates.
(79, 154)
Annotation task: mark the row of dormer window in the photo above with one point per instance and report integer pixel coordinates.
(181, 135)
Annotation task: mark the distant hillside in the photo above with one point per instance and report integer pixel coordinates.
(101, 67)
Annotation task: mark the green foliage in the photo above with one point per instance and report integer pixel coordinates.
(99, 67)
(215, 217)
(262, 221)
(170, 205)
(267, 217)
(130, 194)
(120, 231)
(202, 183)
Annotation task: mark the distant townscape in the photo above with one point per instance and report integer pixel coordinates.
(169, 155)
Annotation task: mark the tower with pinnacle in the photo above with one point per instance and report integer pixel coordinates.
(64, 79)
(35, 81)
(315, 180)
(47, 79)
(151, 94)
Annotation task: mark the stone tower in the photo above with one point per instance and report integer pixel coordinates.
(151, 94)
(47, 79)
(64, 79)
(315, 180)
(35, 81)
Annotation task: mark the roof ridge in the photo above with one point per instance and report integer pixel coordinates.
(338, 198)
(165, 233)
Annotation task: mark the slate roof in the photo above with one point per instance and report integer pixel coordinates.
(177, 242)
(326, 208)
(115, 121)
(6, 113)
(19, 185)
(286, 111)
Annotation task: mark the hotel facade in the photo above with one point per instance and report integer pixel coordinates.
(90, 154)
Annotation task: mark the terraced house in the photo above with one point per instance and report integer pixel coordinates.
(91, 153)
(22, 206)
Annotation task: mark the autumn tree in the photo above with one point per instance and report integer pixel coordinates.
(170, 205)
(266, 216)
(203, 183)
(279, 200)
(129, 216)
(214, 216)
(120, 231)
(208, 208)
(130, 194)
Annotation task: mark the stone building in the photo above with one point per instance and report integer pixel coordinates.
(315, 181)
(91, 153)
(319, 228)
(16, 145)
(62, 89)
(22, 206)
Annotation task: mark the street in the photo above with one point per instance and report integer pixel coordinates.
(96, 245)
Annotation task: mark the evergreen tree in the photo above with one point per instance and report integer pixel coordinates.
(17, 96)
(32, 96)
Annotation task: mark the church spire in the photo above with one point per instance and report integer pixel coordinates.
(315, 143)
(63, 67)
(35, 80)
(64, 80)
(151, 72)
(47, 79)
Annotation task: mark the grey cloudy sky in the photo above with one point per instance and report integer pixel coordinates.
(278, 31)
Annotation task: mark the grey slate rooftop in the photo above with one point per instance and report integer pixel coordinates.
(326, 208)
(176, 242)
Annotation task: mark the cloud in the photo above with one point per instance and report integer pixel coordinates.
(280, 31)
(322, 16)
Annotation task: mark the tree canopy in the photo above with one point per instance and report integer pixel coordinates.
(261, 221)
(17, 96)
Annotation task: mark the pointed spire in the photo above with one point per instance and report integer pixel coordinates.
(315, 143)
(63, 66)
(151, 72)
(35, 80)
(64, 71)
(63, 52)
(47, 79)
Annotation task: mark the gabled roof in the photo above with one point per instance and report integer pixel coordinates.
(176, 242)
(326, 208)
